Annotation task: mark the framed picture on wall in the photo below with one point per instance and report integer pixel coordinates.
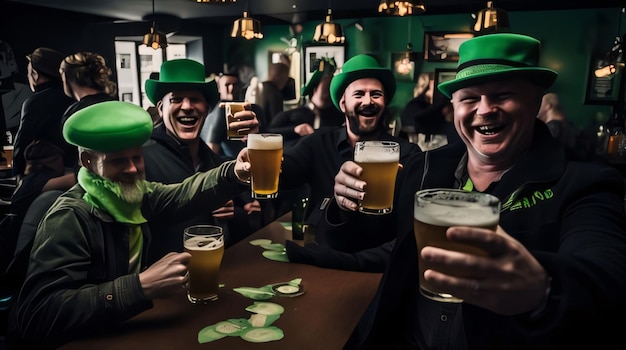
(603, 89)
(443, 47)
(313, 55)
(443, 75)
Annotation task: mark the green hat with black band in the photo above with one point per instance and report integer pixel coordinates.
(361, 67)
(496, 57)
(181, 74)
(108, 127)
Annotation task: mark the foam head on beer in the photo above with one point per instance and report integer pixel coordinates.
(437, 209)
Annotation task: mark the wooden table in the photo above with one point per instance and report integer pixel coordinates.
(322, 318)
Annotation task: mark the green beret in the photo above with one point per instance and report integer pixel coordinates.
(108, 127)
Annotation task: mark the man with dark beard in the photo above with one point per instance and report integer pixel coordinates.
(88, 268)
(361, 92)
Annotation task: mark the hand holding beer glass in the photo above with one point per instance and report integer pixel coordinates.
(265, 152)
(205, 243)
(232, 119)
(379, 160)
(435, 210)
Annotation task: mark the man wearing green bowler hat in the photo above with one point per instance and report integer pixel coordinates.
(176, 151)
(88, 266)
(362, 92)
(554, 272)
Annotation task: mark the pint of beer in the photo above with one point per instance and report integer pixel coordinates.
(205, 243)
(266, 153)
(230, 108)
(437, 209)
(379, 160)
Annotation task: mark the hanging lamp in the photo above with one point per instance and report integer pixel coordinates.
(328, 31)
(246, 27)
(401, 8)
(491, 20)
(155, 39)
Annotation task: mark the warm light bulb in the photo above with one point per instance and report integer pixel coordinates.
(155, 45)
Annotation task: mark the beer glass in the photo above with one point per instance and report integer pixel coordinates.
(266, 153)
(230, 108)
(379, 160)
(205, 243)
(437, 209)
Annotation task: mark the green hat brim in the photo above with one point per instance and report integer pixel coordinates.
(110, 126)
(155, 90)
(312, 83)
(340, 82)
(540, 76)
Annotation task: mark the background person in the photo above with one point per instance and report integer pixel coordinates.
(42, 113)
(317, 113)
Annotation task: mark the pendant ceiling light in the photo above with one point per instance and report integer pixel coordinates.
(401, 8)
(246, 27)
(155, 39)
(328, 31)
(491, 20)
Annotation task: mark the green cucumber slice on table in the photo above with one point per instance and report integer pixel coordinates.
(262, 334)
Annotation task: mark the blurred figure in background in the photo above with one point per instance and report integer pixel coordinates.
(42, 113)
(318, 113)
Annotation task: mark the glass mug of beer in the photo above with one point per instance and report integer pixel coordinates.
(437, 209)
(205, 243)
(379, 160)
(230, 108)
(265, 152)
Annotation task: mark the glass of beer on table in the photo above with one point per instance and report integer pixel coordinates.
(437, 209)
(205, 243)
(379, 160)
(266, 154)
(230, 109)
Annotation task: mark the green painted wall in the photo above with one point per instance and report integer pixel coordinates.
(569, 41)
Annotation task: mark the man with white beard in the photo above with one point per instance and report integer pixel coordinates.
(87, 269)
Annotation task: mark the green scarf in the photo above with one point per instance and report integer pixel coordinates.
(105, 194)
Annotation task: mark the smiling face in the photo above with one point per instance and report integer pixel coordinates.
(496, 120)
(184, 113)
(363, 103)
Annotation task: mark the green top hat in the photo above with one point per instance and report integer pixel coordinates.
(359, 67)
(327, 66)
(496, 57)
(110, 126)
(181, 74)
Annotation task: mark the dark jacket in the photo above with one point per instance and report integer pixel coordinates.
(78, 280)
(169, 161)
(569, 215)
(41, 120)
